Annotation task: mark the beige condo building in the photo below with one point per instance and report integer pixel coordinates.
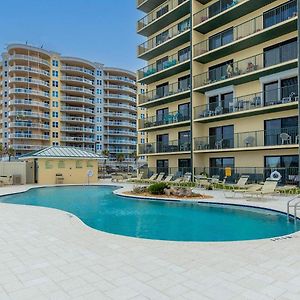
(222, 82)
(50, 99)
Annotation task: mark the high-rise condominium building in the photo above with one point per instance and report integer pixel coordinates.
(49, 99)
(222, 87)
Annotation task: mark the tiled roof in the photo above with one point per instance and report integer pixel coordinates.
(61, 152)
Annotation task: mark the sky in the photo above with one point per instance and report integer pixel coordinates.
(97, 30)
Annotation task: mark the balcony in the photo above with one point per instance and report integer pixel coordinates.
(148, 5)
(78, 120)
(117, 96)
(77, 109)
(29, 136)
(173, 119)
(80, 100)
(248, 34)
(28, 80)
(23, 114)
(77, 70)
(120, 106)
(120, 124)
(162, 16)
(29, 92)
(120, 142)
(79, 139)
(28, 125)
(172, 92)
(166, 41)
(120, 87)
(119, 78)
(243, 71)
(75, 89)
(78, 79)
(161, 148)
(120, 132)
(123, 150)
(27, 147)
(209, 19)
(258, 103)
(29, 70)
(77, 129)
(24, 102)
(173, 65)
(27, 58)
(248, 141)
(120, 115)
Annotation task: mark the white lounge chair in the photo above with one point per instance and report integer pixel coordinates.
(267, 189)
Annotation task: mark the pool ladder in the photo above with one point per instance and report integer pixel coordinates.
(293, 203)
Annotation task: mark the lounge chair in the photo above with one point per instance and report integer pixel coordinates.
(160, 177)
(202, 181)
(187, 177)
(138, 178)
(267, 189)
(241, 182)
(168, 178)
(152, 178)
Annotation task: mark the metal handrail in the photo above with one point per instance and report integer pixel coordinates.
(296, 206)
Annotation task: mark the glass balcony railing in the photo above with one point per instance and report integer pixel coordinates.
(27, 102)
(211, 11)
(77, 99)
(168, 119)
(119, 78)
(29, 58)
(243, 67)
(160, 11)
(163, 37)
(277, 15)
(171, 146)
(29, 69)
(77, 109)
(23, 114)
(275, 137)
(284, 95)
(29, 92)
(29, 80)
(118, 96)
(120, 132)
(77, 89)
(124, 124)
(77, 79)
(25, 135)
(29, 125)
(172, 61)
(166, 91)
(77, 129)
(77, 119)
(77, 69)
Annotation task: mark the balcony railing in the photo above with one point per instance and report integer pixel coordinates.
(117, 96)
(172, 61)
(172, 146)
(119, 115)
(29, 125)
(29, 80)
(286, 11)
(77, 69)
(168, 119)
(120, 87)
(205, 14)
(242, 67)
(77, 129)
(23, 114)
(77, 139)
(275, 137)
(28, 136)
(166, 91)
(120, 105)
(77, 119)
(27, 147)
(113, 123)
(28, 102)
(158, 13)
(119, 141)
(289, 175)
(120, 132)
(77, 79)
(29, 92)
(161, 39)
(270, 98)
(77, 89)
(29, 69)
(77, 99)
(119, 78)
(77, 109)
(29, 58)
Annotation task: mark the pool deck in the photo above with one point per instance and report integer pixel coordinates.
(50, 254)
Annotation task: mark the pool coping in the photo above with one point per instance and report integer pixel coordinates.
(121, 189)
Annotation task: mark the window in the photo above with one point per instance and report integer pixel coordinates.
(162, 142)
(162, 37)
(219, 6)
(280, 53)
(276, 127)
(99, 73)
(289, 88)
(55, 124)
(99, 82)
(184, 166)
(184, 54)
(89, 164)
(217, 165)
(55, 63)
(5, 63)
(5, 73)
(78, 164)
(286, 165)
(161, 115)
(61, 164)
(162, 11)
(161, 63)
(221, 137)
(55, 94)
(48, 165)
(219, 72)
(184, 140)
(5, 83)
(55, 114)
(55, 83)
(162, 90)
(183, 111)
(280, 13)
(221, 39)
(162, 166)
(184, 83)
(99, 92)
(55, 135)
(55, 104)
(183, 26)
(55, 73)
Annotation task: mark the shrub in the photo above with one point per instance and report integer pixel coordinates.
(139, 189)
(157, 188)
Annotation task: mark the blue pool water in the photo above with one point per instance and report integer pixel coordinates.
(99, 208)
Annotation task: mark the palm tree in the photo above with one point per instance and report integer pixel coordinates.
(120, 157)
(105, 153)
(1, 150)
(10, 152)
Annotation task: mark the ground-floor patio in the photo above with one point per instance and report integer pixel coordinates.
(50, 254)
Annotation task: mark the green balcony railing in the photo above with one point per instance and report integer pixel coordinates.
(171, 146)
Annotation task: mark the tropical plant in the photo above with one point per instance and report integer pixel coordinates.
(120, 157)
(10, 152)
(157, 188)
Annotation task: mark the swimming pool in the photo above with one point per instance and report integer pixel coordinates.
(99, 208)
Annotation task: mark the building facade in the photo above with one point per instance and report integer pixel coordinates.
(222, 87)
(49, 99)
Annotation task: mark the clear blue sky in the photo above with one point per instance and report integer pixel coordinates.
(98, 30)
